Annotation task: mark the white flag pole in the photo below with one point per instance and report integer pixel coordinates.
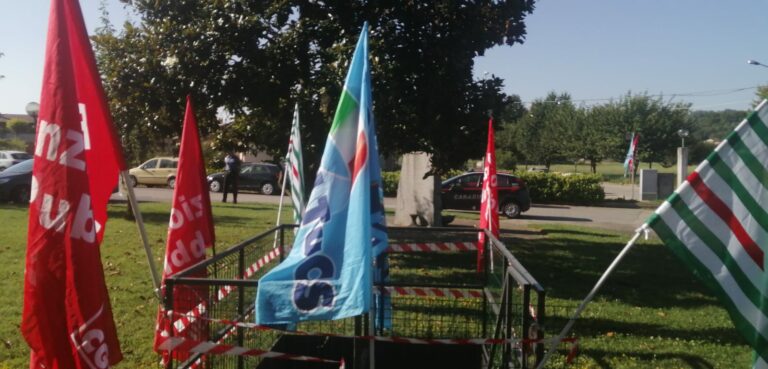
(280, 207)
(553, 343)
(142, 231)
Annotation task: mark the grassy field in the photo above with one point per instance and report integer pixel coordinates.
(651, 314)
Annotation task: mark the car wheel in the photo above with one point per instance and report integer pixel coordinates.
(215, 186)
(2, 169)
(133, 182)
(20, 194)
(171, 182)
(511, 210)
(267, 189)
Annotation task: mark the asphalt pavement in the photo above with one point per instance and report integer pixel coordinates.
(626, 217)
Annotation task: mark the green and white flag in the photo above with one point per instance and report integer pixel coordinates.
(296, 168)
(716, 222)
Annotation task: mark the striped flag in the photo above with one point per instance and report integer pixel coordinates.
(629, 162)
(296, 168)
(717, 224)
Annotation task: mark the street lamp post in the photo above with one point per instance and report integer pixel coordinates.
(755, 62)
(33, 109)
(682, 157)
(683, 133)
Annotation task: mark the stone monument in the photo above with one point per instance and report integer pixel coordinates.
(418, 197)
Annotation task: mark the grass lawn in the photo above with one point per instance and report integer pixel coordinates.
(610, 170)
(651, 314)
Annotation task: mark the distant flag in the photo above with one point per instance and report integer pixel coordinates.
(629, 162)
(67, 318)
(296, 167)
(328, 274)
(716, 222)
(489, 202)
(190, 232)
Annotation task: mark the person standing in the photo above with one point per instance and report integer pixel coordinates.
(232, 168)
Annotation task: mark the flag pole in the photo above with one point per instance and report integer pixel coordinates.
(280, 207)
(591, 295)
(142, 232)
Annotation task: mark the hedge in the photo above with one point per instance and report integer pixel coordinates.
(543, 187)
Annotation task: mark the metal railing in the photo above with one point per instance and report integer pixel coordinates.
(505, 302)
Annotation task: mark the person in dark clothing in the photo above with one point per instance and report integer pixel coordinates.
(232, 167)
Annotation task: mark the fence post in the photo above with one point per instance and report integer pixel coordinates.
(168, 306)
(526, 316)
(282, 242)
(540, 318)
(507, 356)
(240, 304)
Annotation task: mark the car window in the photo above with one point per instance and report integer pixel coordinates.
(21, 155)
(472, 180)
(248, 169)
(167, 164)
(23, 167)
(150, 164)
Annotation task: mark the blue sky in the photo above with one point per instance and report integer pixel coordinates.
(687, 50)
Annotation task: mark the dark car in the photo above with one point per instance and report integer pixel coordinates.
(463, 192)
(16, 182)
(261, 177)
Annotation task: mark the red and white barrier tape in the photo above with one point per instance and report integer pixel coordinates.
(188, 318)
(180, 344)
(433, 247)
(231, 329)
(417, 341)
(433, 292)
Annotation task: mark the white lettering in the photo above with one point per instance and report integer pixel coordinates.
(180, 217)
(34, 188)
(69, 157)
(84, 226)
(84, 125)
(91, 345)
(180, 257)
(177, 219)
(45, 213)
(53, 134)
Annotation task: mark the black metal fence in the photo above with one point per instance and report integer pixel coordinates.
(504, 302)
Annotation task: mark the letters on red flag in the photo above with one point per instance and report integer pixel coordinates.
(67, 318)
(489, 203)
(190, 231)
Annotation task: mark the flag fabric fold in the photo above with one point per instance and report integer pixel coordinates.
(328, 273)
(67, 317)
(629, 162)
(716, 223)
(489, 202)
(295, 168)
(190, 232)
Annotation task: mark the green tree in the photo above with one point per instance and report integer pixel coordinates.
(542, 129)
(760, 94)
(18, 126)
(657, 122)
(256, 59)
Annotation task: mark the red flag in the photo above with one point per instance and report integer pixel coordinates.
(489, 203)
(67, 318)
(190, 231)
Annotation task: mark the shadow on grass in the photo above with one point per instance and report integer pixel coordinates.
(599, 327)
(569, 262)
(554, 218)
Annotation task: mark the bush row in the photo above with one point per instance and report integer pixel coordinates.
(555, 187)
(544, 187)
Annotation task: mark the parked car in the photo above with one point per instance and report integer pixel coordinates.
(16, 182)
(261, 177)
(463, 192)
(9, 158)
(154, 172)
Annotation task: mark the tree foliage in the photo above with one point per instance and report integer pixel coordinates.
(255, 59)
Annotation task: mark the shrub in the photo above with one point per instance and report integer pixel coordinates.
(390, 182)
(555, 187)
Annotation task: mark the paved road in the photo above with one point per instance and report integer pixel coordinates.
(621, 219)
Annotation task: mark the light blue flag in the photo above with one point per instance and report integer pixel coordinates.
(328, 273)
